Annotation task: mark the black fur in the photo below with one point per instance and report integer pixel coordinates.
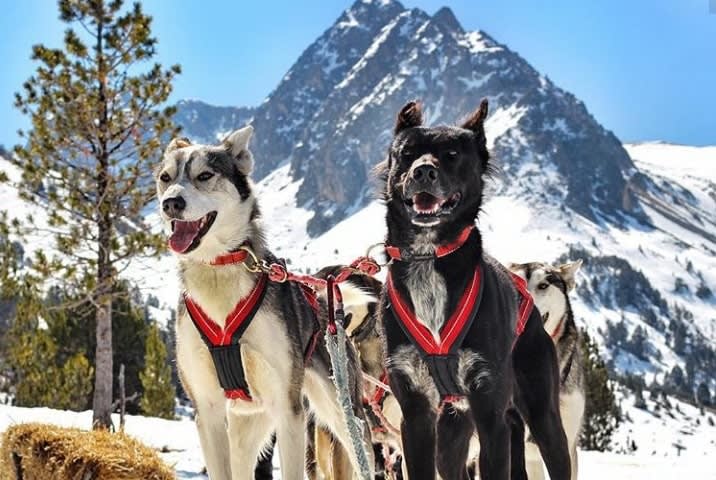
(222, 162)
(525, 376)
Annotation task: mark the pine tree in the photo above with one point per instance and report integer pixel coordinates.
(72, 329)
(98, 120)
(703, 395)
(601, 415)
(75, 383)
(158, 397)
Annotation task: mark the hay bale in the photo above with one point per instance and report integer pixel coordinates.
(34, 451)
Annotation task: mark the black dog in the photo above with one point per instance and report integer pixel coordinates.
(464, 345)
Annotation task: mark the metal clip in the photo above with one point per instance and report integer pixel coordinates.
(256, 264)
(373, 247)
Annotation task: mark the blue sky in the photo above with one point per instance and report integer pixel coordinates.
(646, 69)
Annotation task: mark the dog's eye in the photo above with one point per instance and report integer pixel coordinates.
(407, 154)
(542, 286)
(165, 177)
(452, 154)
(204, 176)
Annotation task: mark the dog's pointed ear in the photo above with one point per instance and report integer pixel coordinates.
(176, 144)
(237, 144)
(517, 268)
(569, 272)
(476, 120)
(411, 115)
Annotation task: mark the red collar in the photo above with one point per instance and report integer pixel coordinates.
(558, 328)
(396, 253)
(230, 258)
(456, 326)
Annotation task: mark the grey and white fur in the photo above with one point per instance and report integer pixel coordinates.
(208, 208)
(550, 287)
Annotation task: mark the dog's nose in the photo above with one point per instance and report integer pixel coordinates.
(173, 206)
(425, 173)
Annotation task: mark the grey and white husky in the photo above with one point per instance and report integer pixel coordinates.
(208, 207)
(550, 287)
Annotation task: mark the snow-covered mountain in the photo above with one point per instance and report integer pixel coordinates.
(331, 115)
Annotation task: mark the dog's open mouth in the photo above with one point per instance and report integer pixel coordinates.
(425, 207)
(186, 235)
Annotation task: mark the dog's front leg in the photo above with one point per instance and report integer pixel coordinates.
(418, 435)
(248, 436)
(489, 410)
(454, 433)
(535, 363)
(211, 424)
(291, 440)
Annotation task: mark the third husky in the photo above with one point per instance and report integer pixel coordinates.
(550, 286)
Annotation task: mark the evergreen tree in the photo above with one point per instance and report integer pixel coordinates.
(72, 328)
(703, 395)
(98, 120)
(39, 377)
(638, 343)
(75, 383)
(158, 397)
(639, 401)
(601, 415)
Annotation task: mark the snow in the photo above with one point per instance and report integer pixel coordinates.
(672, 159)
(501, 121)
(475, 83)
(476, 42)
(655, 459)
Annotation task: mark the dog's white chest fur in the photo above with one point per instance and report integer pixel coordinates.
(428, 294)
(427, 288)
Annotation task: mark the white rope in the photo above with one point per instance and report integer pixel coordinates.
(377, 383)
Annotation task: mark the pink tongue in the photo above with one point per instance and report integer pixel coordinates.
(183, 235)
(424, 201)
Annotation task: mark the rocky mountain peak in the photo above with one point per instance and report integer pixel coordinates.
(331, 114)
(447, 18)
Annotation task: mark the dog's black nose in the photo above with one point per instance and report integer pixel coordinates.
(173, 206)
(425, 173)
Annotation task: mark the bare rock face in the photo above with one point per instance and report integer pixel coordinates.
(332, 113)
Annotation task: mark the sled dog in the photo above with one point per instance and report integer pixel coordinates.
(248, 350)
(465, 348)
(550, 287)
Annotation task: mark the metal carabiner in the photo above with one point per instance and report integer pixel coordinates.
(373, 247)
(256, 265)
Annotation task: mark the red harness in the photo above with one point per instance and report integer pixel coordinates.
(441, 354)
(224, 344)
